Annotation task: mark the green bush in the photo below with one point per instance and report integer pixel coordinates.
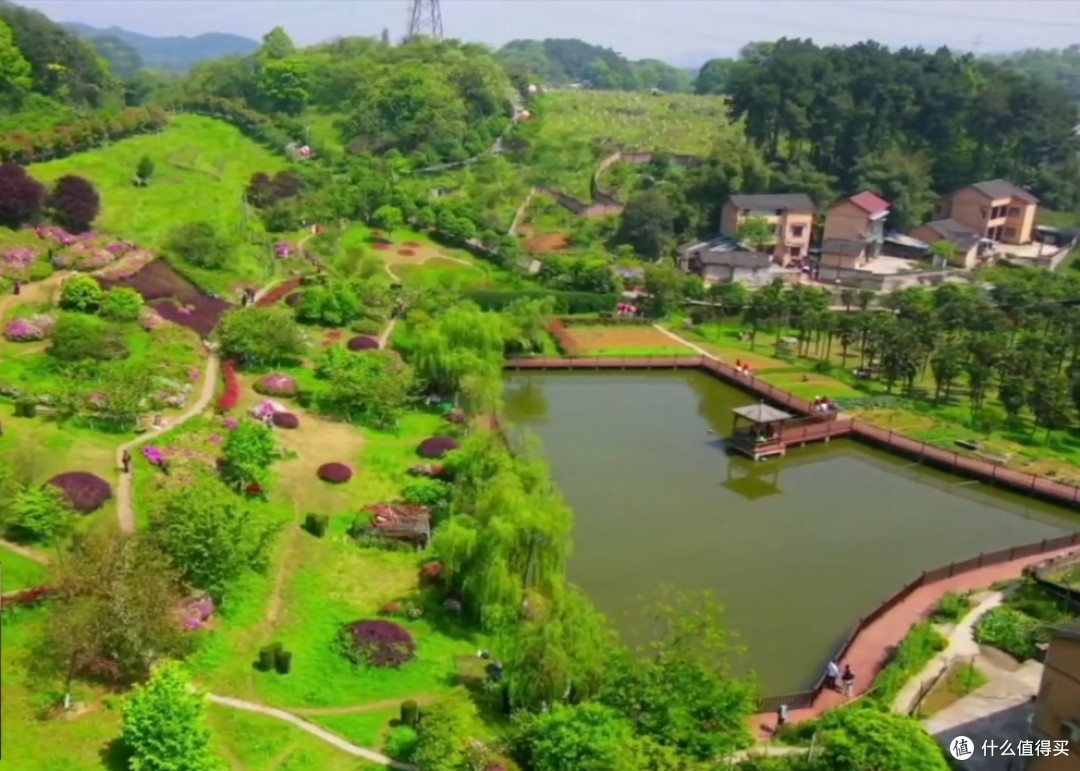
(1033, 600)
(952, 607)
(283, 662)
(40, 271)
(401, 743)
(1010, 630)
(565, 302)
(81, 293)
(267, 657)
(915, 651)
(25, 408)
(316, 524)
(367, 327)
(121, 304)
(410, 713)
(77, 338)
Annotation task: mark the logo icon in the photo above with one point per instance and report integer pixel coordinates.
(962, 748)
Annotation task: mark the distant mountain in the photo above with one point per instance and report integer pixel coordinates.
(171, 53)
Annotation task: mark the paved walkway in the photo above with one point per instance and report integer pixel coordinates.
(360, 752)
(30, 553)
(696, 348)
(125, 510)
(871, 648)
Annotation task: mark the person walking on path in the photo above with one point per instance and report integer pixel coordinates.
(781, 716)
(832, 675)
(126, 460)
(848, 679)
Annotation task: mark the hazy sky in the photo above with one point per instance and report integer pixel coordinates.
(682, 31)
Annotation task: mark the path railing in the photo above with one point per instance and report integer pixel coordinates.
(805, 699)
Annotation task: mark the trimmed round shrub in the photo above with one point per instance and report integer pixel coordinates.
(285, 420)
(437, 446)
(84, 491)
(276, 385)
(363, 343)
(377, 643)
(334, 473)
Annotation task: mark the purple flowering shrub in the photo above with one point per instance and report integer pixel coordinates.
(84, 491)
(26, 329)
(230, 423)
(282, 249)
(155, 455)
(276, 385)
(363, 343)
(150, 319)
(334, 473)
(377, 643)
(437, 446)
(17, 260)
(197, 611)
(285, 420)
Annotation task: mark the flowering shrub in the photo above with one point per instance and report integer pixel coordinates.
(77, 134)
(432, 572)
(197, 611)
(150, 319)
(84, 491)
(230, 423)
(231, 395)
(456, 415)
(285, 420)
(437, 446)
(22, 329)
(335, 473)
(276, 385)
(282, 249)
(406, 252)
(391, 608)
(132, 264)
(35, 595)
(377, 643)
(119, 247)
(17, 260)
(214, 438)
(155, 455)
(53, 233)
(362, 343)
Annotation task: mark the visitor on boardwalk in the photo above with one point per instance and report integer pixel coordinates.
(848, 679)
(781, 716)
(832, 674)
(126, 460)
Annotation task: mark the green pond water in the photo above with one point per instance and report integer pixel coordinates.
(796, 548)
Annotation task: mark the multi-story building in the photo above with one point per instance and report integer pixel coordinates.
(791, 214)
(1057, 705)
(854, 231)
(997, 210)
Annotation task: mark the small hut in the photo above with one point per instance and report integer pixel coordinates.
(401, 521)
(756, 430)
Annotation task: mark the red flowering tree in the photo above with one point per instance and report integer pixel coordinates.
(74, 203)
(21, 196)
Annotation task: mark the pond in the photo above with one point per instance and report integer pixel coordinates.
(796, 548)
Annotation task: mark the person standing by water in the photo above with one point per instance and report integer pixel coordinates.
(781, 716)
(848, 679)
(832, 676)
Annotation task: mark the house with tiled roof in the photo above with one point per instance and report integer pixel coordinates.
(965, 241)
(854, 231)
(997, 210)
(792, 214)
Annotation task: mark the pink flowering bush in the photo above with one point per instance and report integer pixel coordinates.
(132, 264)
(437, 446)
(230, 423)
(150, 319)
(276, 385)
(17, 260)
(27, 329)
(377, 643)
(197, 611)
(282, 249)
(155, 455)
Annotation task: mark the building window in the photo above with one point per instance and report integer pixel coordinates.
(1010, 232)
(797, 230)
(746, 212)
(1014, 211)
(779, 212)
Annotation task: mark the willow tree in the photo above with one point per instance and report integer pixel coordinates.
(463, 346)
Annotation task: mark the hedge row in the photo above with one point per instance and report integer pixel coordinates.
(914, 652)
(274, 132)
(606, 320)
(565, 341)
(81, 134)
(565, 302)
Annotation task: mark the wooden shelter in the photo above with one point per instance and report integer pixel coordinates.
(756, 430)
(401, 521)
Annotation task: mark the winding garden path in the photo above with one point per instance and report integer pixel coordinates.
(31, 554)
(355, 750)
(125, 510)
(696, 348)
(872, 647)
(371, 706)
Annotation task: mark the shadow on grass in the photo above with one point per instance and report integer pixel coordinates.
(115, 755)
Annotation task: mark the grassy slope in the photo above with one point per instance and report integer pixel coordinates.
(201, 169)
(18, 571)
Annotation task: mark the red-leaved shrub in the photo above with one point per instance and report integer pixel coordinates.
(334, 473)
(362, 343)
(377, 643)
(281, 290)
(276, 384)
(83, 491)
(285, 420)
(391, 608)
(35, 595)
(437, 446)
(231, 395)
(432, 572)
(456, 415)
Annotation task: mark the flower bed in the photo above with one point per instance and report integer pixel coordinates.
(563, 339)
(27, 329)
(172, 296)
(335, 473)
(84, 491)
(283, 249)
(274, 295)
(155, 455)
(78, 134)
(231, 395)
(17, 260)
(285, 420)
(276, 385)
(437, 446)
(132, 264)
(362, 343)
(377, 643)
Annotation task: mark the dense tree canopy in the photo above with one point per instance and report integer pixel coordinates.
(559, 62)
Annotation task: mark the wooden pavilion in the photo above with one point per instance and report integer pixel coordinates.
(757, 430)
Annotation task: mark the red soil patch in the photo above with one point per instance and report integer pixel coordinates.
(547, 242)
(599, 338)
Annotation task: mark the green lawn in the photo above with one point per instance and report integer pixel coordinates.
(18, 572)
(202, 168)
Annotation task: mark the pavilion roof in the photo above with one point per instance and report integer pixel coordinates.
(762, 413)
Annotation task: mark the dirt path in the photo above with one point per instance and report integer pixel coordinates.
(31, 554)
(372, 706)
(871, 648)
(37, 292)
(384, 336)
(320, 733)
(125, 510)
